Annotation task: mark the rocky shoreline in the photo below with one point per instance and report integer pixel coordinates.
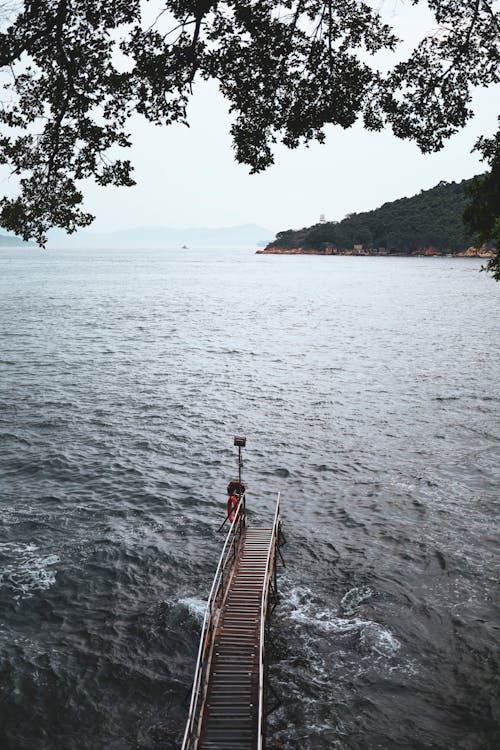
(471, 252)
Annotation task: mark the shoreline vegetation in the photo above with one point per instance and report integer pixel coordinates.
(427, 224)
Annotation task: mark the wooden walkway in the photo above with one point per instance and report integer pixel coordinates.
(227, 704)
(231, 713)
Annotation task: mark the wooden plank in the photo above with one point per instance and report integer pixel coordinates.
(229, 718)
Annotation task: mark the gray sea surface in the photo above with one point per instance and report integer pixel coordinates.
(368, 389)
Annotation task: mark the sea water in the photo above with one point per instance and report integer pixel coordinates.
(368, 391)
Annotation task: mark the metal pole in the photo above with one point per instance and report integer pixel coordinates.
(240, 441)
(240, 464)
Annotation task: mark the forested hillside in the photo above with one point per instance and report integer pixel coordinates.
(431, 219)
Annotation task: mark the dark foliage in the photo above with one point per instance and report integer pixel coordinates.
(482, 214)
(432, 219)
(80, 68)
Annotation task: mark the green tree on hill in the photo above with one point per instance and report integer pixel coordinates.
(482, 215)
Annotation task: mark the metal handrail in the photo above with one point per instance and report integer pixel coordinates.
(212, 610)
(270, 563)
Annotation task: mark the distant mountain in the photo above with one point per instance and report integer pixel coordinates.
(9, 240)
(431, 220)
(244, 235)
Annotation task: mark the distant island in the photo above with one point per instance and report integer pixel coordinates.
(9, 240)
(429, 223)
(153, 238)
(158, 238)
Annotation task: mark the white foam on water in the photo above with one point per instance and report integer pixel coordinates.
(195, 606)
(24, 570)
(354, 597)
(373, 637)
(327, 622)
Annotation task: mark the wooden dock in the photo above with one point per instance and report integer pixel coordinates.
(227, 702)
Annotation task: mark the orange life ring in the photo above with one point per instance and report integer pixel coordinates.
(232, 506)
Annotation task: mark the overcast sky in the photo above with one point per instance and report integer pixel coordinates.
(187, 177)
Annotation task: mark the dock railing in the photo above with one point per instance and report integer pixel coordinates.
(269, 572)
(212, 612)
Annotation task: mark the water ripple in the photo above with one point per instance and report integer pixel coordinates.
(369, 397)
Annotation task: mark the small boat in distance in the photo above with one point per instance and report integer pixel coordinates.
(184, 247)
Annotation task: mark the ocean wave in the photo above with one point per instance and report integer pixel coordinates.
(372, 636)
(24, 570)
(196, 607)
(354, 597)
